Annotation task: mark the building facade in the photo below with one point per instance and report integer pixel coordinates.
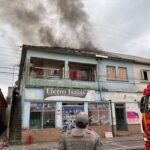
(3, 107)
(141, 77)
(55, 84)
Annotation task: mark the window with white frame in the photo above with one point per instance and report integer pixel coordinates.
(146, 75)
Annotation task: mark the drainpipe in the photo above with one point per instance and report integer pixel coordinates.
(98, 78)
(98, 58)
(112, 126)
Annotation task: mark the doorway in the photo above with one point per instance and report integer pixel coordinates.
(69, 112)
(121, 123)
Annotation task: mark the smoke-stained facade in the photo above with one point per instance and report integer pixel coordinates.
(58, 83)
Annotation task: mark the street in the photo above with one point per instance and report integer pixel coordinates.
(134, 142)
(124, 145)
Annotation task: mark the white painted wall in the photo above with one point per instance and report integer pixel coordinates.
(122, 96)
(26, 115)
(58, 115)
(139, 83)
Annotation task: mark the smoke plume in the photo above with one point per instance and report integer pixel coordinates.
(61, 23)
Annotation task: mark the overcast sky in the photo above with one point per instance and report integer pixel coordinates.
(116, 26)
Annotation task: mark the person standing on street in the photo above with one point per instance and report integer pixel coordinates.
(80, 138)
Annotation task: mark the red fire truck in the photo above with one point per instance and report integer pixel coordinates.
(145, 110)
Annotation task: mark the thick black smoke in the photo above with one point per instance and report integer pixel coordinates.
(61, 23)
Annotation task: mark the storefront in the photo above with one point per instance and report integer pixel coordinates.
(54, 110)
(126, 111)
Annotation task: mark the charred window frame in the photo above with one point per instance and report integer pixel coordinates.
(82, 72)
(44, 68)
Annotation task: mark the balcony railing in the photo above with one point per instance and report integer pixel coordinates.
(46, 73)
(58, 73)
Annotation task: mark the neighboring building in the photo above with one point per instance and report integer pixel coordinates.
(3, 107)
(9, 100)
(122, 83)
(56, 83)
(142, 77)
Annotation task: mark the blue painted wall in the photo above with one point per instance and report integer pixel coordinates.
(126, 86)
(116, 85)
(62, 57)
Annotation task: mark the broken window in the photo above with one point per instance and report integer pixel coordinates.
(43, 68)
(82, 72)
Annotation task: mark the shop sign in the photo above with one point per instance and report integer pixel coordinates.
(65, 92)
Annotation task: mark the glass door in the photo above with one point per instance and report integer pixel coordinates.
(69, 112)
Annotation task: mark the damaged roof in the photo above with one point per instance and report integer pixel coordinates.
(87, 52)
(65, 50)
(91, 52)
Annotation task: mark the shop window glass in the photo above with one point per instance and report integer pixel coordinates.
(42, 115)
(36, 115)
(49, 115)
(98, 114)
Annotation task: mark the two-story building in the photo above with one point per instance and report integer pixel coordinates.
(57, 83)
(123, 82)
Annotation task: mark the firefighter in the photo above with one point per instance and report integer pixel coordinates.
(80, 138)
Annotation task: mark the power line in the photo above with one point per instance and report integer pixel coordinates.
(8, 72)
(10, 67)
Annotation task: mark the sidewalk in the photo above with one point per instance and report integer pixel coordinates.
(117, 143)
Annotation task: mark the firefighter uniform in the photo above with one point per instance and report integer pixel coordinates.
(80, 139)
